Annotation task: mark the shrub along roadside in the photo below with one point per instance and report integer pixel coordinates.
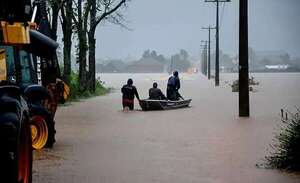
(252, 82)
(286, 146)
(76, 94)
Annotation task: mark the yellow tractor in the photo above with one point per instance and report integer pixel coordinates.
(30, 86)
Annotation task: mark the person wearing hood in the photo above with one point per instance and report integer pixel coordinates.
(173, 87)
(128, 93)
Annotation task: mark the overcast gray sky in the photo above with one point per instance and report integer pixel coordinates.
(169, 25)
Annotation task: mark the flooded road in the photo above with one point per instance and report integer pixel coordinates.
(206, 143)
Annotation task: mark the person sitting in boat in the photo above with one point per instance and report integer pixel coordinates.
(173, 87)
(155, 93)
(129, 91)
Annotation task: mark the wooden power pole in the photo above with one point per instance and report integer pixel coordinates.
(204, 57)
(217, 67)
(244, 110)
(209, 28)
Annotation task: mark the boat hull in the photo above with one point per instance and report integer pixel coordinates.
(149, 105)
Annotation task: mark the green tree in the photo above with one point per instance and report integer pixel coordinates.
(80, 19)
(101, 10)
(87, 16)
(146, 54)
(180, 61)
(66, 23)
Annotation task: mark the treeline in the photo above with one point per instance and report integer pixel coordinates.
(79, 19)
(259, 61)
(150, 62)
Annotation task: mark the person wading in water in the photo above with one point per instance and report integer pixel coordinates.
(173, 87)
(129, 91)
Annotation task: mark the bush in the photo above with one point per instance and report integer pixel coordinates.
(100, 89)
(286, 146)
(77, 94)
(252, 82)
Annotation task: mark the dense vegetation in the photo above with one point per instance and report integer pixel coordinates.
(252, 83)
(80, 19)
(76, 93)
(286, 146)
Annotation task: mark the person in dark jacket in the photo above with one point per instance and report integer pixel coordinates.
(129, 91)
(173, 87)
(155, 93)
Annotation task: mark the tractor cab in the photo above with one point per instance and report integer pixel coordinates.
(16, 66)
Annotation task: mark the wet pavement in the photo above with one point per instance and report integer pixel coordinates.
(207, 143)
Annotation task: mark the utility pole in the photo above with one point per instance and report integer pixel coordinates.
(209, 28)
(217, 69)
(244, 110)
(204, 58)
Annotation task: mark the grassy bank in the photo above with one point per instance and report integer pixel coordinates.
(76, 94)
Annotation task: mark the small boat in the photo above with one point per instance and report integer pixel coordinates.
(149, 105)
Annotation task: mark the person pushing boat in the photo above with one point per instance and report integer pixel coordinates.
(155, 102)
(129, 91)
(155, 93)
(173, 87)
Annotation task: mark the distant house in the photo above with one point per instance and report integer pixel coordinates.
(148, 65)
(277, 67)
(112, 66)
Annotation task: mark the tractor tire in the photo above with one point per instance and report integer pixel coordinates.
(16, 149)
(42, 129)
(39, 131)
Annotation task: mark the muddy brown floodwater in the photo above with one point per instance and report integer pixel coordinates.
(206, 143)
